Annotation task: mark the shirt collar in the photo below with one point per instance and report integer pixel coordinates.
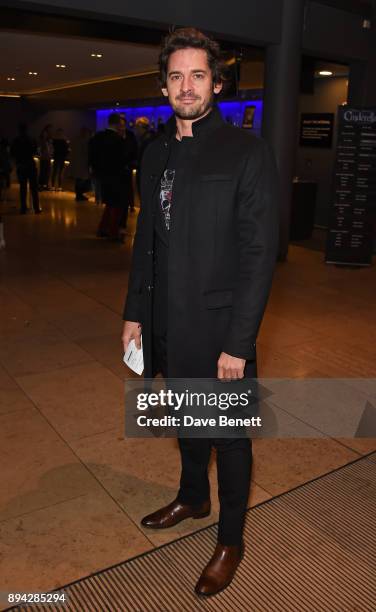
(211, 121)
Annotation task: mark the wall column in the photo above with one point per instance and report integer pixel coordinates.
(281, 103)
(362, 82)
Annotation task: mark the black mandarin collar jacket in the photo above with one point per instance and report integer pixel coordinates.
(222, 247)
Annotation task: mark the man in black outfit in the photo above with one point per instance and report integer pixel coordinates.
(203, 259)
(23, 150)
(110, 158)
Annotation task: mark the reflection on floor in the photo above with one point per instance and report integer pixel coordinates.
(73, 489)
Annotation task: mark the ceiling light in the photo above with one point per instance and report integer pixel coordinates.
(60, 66)
(96, 55)
(33, 73)
(11, 79)
(325, 73)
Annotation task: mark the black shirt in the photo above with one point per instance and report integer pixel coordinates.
(23, 150)
(163, 219)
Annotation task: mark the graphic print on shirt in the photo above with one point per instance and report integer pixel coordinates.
(165, 195)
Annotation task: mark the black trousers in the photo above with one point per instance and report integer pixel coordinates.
(80, 186)
(234, 464)
(44, 172)
(28, 174)
(57, 172)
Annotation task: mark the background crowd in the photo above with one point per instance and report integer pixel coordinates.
(102, 163)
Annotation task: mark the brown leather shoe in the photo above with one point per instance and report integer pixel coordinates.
(220, 570)
(174, 513)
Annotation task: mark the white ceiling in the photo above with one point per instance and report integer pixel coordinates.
(21, 53)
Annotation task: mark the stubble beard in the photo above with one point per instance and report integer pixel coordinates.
(192, 112)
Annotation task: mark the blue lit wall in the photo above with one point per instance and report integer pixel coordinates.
(232, 110)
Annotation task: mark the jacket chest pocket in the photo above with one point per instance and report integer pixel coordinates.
(216, 193)
(215, 178)
(214, 187)
(218, 299)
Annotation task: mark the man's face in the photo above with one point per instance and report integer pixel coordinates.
(121, 127)
(139, 130)
(189, 85)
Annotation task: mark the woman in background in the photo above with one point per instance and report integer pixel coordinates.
(60, 154)
(45, 154)
(79, 163)
(5, 170)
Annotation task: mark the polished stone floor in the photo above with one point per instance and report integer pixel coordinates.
(73, 489)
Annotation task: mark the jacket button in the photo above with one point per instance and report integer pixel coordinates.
(150, 287)
(149, 252)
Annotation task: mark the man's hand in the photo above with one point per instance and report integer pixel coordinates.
(131, 331)
(230, 368)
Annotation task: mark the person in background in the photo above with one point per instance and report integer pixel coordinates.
(110, 158)
(79, 163)
(45, 155)
(145, 136)
(23, 151)
(60, 154)
(5, 170)
(160, 126)
(133, 148)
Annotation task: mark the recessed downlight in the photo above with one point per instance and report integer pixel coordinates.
(60, 66)
(32, 73)
(98, 55)
(11, 78)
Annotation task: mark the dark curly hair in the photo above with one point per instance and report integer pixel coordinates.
(185, 38)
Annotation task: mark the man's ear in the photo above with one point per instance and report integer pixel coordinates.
(165, 92)
(217, 88)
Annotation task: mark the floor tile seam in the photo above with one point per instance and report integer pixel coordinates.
(73, 342)
(276, 312)
(285, 351)
(55, 326)
(296, 418)
(63, 280)
(255, 483)
(101, 485)
(97, 433)
(78, 342)
(83, 464)
(54, 370)
(293, 322)
(9, 412)
(275, 496)
(277, 347)
(40, 508)
(87, 494)
(345, 346)
(338, 440)
(54, 276)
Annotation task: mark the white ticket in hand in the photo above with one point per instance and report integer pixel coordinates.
(134, 357)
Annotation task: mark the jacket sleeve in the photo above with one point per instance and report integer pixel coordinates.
(257, 235)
